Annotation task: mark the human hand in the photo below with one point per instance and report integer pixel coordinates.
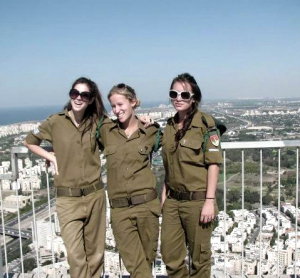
(208, 211)
(52, 162)
(146, 120)
(163, 195)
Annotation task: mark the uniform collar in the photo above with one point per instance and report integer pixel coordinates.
(117, 125)
(141, 127)
(64, 112)
(197, 120)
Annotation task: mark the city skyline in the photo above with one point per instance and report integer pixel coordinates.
(245, 49)
(252, 235)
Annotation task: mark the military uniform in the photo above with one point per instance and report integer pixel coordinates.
(186, 179)
(131, 188)
(80, 199)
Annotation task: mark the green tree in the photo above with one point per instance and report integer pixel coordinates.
(267, 200)
(46, 262)
(251, 196)
(29, 264)
(233, 196)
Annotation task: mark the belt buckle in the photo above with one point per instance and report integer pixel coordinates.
(82, 191)
(179, 195)
(129, 201)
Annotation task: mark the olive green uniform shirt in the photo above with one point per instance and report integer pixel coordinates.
(78, 157)
(186, 166)
(128, 159)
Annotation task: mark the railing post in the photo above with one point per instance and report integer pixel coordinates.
(1, 264)
(224, 175)
(260, 222)
(15, 175)
(243, 208)
(120, 265)
(4, 240)
(279, 214)
(297, 200)
(50, 220)
(34, 232)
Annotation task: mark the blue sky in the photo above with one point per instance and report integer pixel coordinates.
(235, 49)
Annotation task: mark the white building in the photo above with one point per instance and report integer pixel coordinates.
(12, 202)
(43, 230)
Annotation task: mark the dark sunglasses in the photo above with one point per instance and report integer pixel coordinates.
(85, 96)
(121, 86)
(185, 95)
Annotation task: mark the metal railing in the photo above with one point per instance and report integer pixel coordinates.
(260, 146)
(226, 147)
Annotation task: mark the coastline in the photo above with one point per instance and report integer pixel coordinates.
(21, 115)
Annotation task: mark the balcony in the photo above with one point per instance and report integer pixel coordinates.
(251, 239)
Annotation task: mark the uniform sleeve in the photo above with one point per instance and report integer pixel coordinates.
(40, 133)
(212, 149)
(107, 123)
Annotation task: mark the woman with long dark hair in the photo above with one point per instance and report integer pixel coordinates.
(80, 199)
(191, 155)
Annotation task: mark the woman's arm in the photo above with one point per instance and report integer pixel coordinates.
(163, 194)
(43, 153)
(208, 210)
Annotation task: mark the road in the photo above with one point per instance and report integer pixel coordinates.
(41, 212)
(229, 179)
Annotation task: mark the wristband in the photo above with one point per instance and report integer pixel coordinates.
(209, 198)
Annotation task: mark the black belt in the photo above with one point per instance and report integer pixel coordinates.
(133, 200)
(186, 196)
(77, 192)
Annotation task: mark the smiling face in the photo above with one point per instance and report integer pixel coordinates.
(78, 104)
(122, 107)
(182, 106)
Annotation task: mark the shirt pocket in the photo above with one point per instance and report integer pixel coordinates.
(191, 151)
(144, 149)
(110, 153)
(144, 153)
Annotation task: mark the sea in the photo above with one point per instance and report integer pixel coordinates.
(26, 114)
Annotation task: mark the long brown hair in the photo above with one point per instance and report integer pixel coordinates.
(95, 110)
(188, 79)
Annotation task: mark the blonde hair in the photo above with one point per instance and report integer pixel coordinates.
(126, 91)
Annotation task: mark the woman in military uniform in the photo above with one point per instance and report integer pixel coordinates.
(191, 155)
(131, 185)
(80, 199)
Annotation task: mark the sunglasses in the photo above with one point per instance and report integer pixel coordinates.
(85, 96)
(121, 86)
(185, 95)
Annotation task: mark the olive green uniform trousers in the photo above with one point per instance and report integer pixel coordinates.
(136, 233)
(83, 224)
(181, 227)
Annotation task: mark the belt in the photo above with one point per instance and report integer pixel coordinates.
(77, 192)
(187, 196)
(133, 200)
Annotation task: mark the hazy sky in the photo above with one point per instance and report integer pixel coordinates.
(234, 48)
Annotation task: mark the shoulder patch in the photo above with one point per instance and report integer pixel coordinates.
(36, 130)
(214, 138)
